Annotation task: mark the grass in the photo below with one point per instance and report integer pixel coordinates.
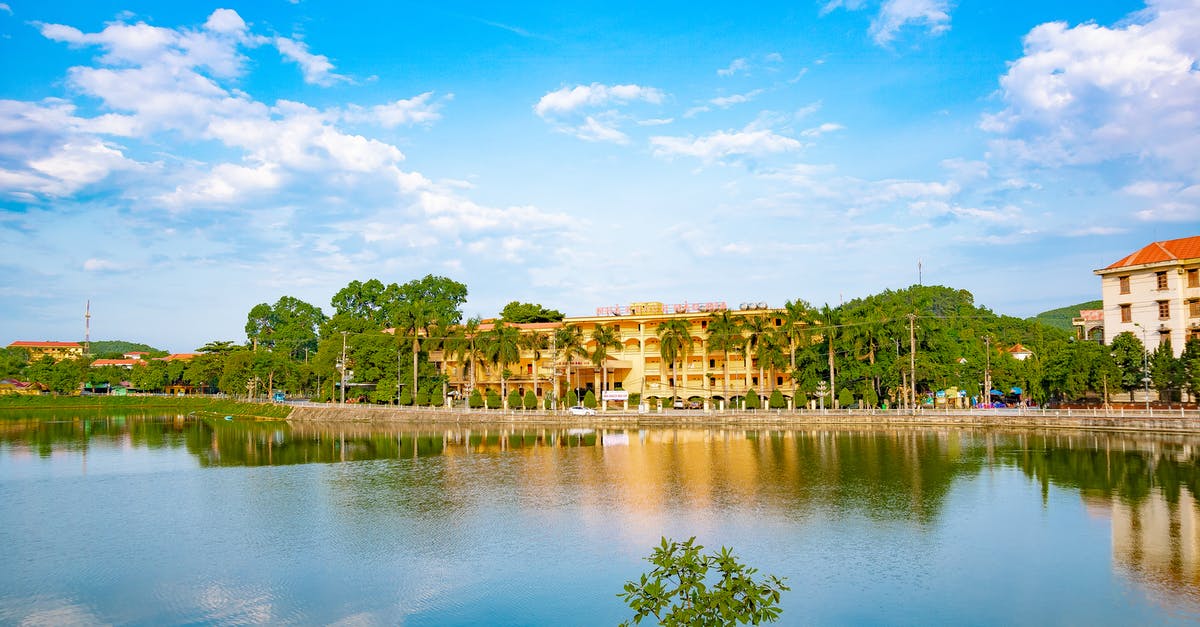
(180, 404)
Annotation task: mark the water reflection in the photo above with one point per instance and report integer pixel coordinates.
(1143, 485)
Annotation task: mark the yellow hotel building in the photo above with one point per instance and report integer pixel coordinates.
(637, 367)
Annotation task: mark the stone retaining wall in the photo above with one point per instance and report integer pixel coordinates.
(1163, 421)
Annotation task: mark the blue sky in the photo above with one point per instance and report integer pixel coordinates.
(177, 163)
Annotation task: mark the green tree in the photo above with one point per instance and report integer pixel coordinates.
(1129, 354)
(569, 344)
(412, 320)
(290, 325)
(589, 400)
(725, 336)
(514, 400)
(421, 399)
(502, 348)
(13, 362)
(535, 342)
(845, 397)
(475, 400)
(65, 376)
(572, 398)
(680, 590)
(518, 312)
(606, 338)
(752, 401)
(529, 400)
(1190, 363)
(1166, 372)
(675, 343)
(777, 401)
(406, 397)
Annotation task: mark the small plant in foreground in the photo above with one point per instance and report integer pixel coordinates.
(680, 591)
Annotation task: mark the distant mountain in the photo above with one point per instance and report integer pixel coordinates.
(1061, 318)
(120, 347)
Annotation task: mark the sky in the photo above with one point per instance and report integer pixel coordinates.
(175, 164)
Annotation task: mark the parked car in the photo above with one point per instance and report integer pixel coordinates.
(279, 397)
(580, 410)
(679, 403)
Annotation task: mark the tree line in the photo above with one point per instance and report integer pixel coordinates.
(380, 339)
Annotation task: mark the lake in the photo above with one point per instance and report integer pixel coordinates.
(153, 520)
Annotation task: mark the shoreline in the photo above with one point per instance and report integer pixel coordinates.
(1162, 421)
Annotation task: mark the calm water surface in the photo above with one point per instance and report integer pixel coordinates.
(153, 520)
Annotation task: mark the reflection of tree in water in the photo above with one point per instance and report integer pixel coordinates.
(1129, 468)
(1146, 485)
(75, 434)
(882, 474)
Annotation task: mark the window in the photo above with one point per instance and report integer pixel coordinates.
(1161, 278)
(712, 363)
(778, 380)
(704, 324)
(1126, 313)
(1194, 308)
(1193, 278)
(1164, 310)
(1124, 284)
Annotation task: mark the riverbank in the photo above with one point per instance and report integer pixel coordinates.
(1172, 421)
(11, 406)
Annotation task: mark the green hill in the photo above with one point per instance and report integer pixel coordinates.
(116, 348)
(1061, 318)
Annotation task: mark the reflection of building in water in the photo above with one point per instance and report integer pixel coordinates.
(1158, 543)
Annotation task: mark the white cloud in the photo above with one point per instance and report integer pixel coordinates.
(7, 9)
(1092, 93)
(317, 68)
(722, 144)
(725, 102)
(736, 66)
(404, 112)
(226, 183)
(895, 14)
(568, 99)
(818, 131)
(1096, 231)
(593, 130)
(103, 265)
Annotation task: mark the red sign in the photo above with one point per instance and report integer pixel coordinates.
(684, 307)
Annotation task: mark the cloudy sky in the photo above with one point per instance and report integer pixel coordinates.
(177, 163)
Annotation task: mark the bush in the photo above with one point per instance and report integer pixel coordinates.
(530, 400)
(514, 400)
(548, 401)
(493, 399)
(845, 398)
(572, 399)
(589, 400)
(777, 401)
(422, 398)
(752, 401)
(871, 398)
(436, 399)
(635, 399)
(406, 398)
(680, 591)
(652, 403)
(475, 400)
(800, 400)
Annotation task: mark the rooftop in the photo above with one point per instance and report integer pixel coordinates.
(1158, 252)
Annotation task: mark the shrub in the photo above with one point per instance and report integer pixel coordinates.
(752, 401)
(800, 400)
(845, 398)
(589, 400)
(871, 398)
(777, 401)
(548, 401)
(436, 399)
(406, 398)
(652, 403)
(572, 399)
(493, 399)
(680, 591)
(475, 400)
(422, 398)
(530, 400)
(514, 400)
(635, 399)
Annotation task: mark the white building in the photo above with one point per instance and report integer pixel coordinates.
(1154, 293)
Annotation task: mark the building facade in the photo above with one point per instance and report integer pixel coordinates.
(637, 365)
(58, 351)
(1154, 293)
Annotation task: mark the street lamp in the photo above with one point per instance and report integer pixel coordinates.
(1145, 364)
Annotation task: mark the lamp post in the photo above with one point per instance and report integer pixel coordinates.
(343, 366)
(987, 370)
(1145, 364)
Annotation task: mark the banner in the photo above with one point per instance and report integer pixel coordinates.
(615, 395)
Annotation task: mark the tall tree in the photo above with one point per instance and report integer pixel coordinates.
(502, 347)
(529, 312)
(725, 336)
(756, 328)
(290, 325)
(535, 342)
(568, 342)
(413, 319)
(606, 338)
(675, 343)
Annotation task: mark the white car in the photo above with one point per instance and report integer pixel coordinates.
(580, 410)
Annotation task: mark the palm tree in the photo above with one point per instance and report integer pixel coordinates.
(830, 319)
(502, 347)
(796, 317)
(535, 342)
(568, 341)
(771, 353)
(675, 341)
(605, 338)
(413, 318)
(466, 346)
(725, 335)
(757, 328)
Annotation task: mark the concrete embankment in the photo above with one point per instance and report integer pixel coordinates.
(1162, 421)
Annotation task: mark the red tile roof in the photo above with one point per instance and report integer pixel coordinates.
(1157, 252)
(179, 356)
(115, 362)
(24, 344)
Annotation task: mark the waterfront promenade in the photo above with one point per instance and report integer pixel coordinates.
(1162, 420)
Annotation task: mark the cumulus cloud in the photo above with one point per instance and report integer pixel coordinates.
(404, 112)
(895, 15)
(1092, 93)
(566, 108)
(725, 102)
(724, 144)
(568, 99)
(818, 131)
(736, 66)
(317, 68)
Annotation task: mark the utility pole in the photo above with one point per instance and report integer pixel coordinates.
(1145, 365)
(987, 369)
(912, 358)
(343, 366)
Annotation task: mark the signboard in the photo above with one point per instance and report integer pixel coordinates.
(655, 308)
(615, 395)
